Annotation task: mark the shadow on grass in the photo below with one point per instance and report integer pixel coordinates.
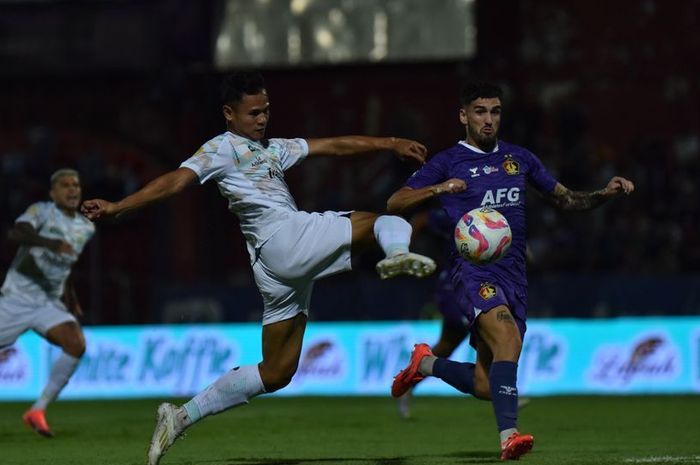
(457, 458)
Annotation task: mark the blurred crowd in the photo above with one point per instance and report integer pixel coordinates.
(625, 103)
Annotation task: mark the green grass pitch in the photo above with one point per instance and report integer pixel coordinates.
(364, 431)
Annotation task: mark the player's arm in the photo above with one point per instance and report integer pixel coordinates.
(566, 199)
(160, 188)
(354, 145)
(70, 297)
(24, 234)
(407, 198)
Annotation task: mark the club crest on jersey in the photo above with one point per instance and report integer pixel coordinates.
(511, 167)
(487, 291)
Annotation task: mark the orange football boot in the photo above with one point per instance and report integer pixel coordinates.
(516, 445)
(35, 419)
(409, 376)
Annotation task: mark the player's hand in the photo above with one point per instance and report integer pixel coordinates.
(409, 149)
(97, 208)
(451, 186)
(619, 185)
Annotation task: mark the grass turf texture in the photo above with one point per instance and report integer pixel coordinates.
(364, 431)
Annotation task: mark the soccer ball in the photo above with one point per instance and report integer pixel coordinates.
(482, 236)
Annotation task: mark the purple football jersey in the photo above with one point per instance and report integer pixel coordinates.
(497, 180)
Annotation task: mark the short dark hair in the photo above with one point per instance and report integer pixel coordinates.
(243, 82)
(58, 174)
(474, 90)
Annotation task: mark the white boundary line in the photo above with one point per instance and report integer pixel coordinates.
(666, 459)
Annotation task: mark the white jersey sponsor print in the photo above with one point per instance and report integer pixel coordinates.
(250, 175)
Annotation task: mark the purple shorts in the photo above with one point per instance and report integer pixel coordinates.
(478, 293)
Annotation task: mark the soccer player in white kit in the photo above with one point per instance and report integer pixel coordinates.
(289, 249)
(38, 291)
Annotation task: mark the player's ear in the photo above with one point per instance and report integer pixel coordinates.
(228, 112)
(463, 116)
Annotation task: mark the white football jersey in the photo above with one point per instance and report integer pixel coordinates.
(37, 273)
(250, 175)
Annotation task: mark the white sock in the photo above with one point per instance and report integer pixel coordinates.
(233, 388)
(426, 365)
(505, 434)
(63, 368)
(393, 234)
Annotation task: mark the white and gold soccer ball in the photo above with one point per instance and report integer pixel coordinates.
(482, 236)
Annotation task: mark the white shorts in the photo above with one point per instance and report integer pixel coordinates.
(17, 316)
(309, 246)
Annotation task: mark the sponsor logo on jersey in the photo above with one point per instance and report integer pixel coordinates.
(489, 169)
(487, 291)
(474, 171)
(511, 167)
(501, 197)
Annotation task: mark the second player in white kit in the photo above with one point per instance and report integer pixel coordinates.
(38, 293)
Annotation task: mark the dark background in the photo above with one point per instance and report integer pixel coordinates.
(125, 90)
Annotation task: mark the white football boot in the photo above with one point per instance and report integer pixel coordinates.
(411, 264)
(168, 429)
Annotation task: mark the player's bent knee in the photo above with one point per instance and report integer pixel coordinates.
(74, 348)
(276, 378)
(276, 382)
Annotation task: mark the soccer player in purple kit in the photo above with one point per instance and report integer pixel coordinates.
(485, 171)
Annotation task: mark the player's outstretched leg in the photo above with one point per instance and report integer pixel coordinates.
(393, 234)
(36, 419)
(411, 375)
(168, 428)
(411, 264)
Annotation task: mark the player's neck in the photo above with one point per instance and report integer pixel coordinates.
(69, 212)
(477, 148)
(242, 136)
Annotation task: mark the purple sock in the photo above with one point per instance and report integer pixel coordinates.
(456, 374)
(504, 394)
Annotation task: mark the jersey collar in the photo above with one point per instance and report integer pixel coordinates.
(477, 149)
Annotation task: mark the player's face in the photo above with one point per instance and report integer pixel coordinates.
(482, 118)
(65, 193)
(249, 117)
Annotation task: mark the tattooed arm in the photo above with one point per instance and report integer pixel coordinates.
(567, 199)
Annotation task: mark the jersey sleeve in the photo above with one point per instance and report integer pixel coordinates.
(433, 172)
(207, 162)
(291, 151)
(539, 177)
(34, 215)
